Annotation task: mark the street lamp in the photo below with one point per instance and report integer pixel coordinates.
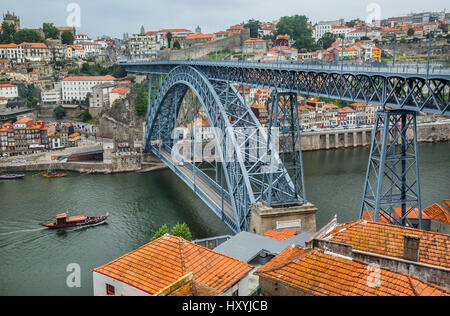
(395, 46)
(430, 41)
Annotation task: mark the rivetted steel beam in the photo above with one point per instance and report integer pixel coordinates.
(399, 87)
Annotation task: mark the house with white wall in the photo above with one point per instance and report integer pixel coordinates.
(156, 265)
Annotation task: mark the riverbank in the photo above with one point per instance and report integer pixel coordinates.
(360, 137)
(435, 132)
(81, 167)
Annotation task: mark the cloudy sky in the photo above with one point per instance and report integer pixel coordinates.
(114, 17)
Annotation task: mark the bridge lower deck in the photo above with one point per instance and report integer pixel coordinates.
(211, 193)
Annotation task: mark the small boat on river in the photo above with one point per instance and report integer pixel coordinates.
(5, 176)
(51, 175)
(64, 221)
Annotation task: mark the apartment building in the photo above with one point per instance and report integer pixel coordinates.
(143, 46)
(76, 88)
(36, 51)
(12, 52)
(8, 90)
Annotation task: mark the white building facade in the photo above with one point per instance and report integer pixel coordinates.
(76, 88)
(8, 90)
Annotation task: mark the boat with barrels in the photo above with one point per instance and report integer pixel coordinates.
(64, 221)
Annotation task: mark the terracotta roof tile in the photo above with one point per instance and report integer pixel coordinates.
(388, 240)
(163, 261)
(437, 213)
(318, 273)
(280, 236)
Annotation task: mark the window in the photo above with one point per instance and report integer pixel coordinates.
(110, 290)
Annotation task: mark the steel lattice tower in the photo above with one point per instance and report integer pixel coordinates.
(392, 186)
(284, 119)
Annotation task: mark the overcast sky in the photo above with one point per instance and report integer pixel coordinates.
(114, 17)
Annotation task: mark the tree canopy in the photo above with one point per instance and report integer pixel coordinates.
(169, 38)
(59, 112)
(50, 31)
(31, 36)
(8, 32)
(67, 37)
(179, 230)
(297, 28)
(328, 39)
(253, 25)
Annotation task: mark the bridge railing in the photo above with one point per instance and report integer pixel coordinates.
(385, 68)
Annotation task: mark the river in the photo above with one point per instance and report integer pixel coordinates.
(34, 260)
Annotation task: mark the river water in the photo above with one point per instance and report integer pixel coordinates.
(33, 260)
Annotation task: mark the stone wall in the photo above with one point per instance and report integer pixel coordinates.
(200, 51)
(300, 218)
(363, 137)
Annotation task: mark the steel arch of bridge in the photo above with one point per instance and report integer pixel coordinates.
(396, 88)
(244, 170)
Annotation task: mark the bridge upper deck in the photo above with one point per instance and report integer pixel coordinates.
(410, 87)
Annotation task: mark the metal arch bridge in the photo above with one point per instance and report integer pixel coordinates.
(246, 168)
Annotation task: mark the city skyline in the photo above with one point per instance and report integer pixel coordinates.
(113, 18)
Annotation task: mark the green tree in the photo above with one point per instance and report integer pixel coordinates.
(169, 38)
(253, 25)
(141, 101)
(410, 32)
(50, 31)
(328, 39)
(444, 27)
(7, 34)
(67, 37)
(59, 112)
(182, 230)
(176, 45)
(85, 116)
(403, 40)
(31, 36)
(161, 232)
(297, 28)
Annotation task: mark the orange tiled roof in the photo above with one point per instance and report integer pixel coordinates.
(388, 240)
(253, 40)
(200, 36)
(437, 213)
(280, 236)
(34, 45)
(163, 261)
(120, 90)
(368, 216)
(317, 273)
(89, 78)
(6, 85)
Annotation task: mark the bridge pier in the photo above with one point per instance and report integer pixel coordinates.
(301, 218)
(392, 186)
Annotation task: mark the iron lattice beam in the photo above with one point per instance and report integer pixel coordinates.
(403, 88)
(392, 186)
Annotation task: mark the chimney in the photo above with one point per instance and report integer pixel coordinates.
(411, 248)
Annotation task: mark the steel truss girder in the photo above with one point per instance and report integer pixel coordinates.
(392, 179)
(227, 111)
(398, 91)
